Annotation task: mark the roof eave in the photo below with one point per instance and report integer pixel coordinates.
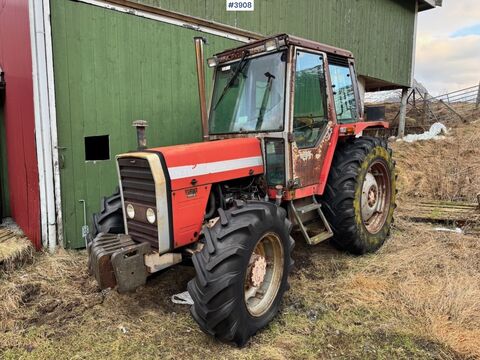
(428, 4)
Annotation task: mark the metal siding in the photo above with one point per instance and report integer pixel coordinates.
(378, 32)
(110, 69)
(15, 60)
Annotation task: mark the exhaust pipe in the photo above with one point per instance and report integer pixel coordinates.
(141, 125)
(199, 55)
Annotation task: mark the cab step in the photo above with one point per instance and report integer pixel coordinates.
(314, 229)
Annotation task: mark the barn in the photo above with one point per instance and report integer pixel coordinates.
(75, 74)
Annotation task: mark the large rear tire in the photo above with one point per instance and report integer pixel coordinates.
(242, 271)
(110, 217)
(359, 198)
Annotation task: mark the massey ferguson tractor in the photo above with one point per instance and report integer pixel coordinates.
(283, 148)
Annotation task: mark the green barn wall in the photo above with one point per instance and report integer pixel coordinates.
(110, 69)
(380, 33)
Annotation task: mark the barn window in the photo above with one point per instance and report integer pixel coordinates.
(97, 148)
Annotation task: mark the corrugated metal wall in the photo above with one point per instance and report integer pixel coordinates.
(110, 69)
(379, 32)
(16, 62)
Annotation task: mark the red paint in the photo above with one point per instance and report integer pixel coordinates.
(208, 152)
(319, 188)
(188, 207)
(358, 127)
(190, 194)
(16, 62)
(327, 163)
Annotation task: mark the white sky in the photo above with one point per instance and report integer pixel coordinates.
(448, 46)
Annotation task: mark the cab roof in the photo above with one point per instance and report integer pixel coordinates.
(283, 40)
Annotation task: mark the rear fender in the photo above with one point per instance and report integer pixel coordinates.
(358, 127)
(342, 130)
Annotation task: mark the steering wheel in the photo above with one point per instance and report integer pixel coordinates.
(303, 129)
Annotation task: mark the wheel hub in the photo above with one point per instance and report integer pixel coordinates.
(369, 196)
(375, 198)
(263, 274)
(258, 270)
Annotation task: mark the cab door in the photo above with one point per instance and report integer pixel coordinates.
(312, 119)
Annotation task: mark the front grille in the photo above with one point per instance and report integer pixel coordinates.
(138, 188)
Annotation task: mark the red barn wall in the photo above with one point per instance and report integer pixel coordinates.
(16, 62)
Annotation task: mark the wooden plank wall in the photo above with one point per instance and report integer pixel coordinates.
(380, 33)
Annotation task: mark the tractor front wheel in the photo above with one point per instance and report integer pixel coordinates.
(110, 217)
(242, 271)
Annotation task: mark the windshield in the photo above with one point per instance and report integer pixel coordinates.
(249, 95)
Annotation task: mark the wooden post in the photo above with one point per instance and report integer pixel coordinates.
(403, 113)
(425, 107)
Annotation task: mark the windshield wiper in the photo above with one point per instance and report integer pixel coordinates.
(266, 96)
(240, 67)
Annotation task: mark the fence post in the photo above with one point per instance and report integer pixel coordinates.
(425, 108)
(478, 97)
(403, 113)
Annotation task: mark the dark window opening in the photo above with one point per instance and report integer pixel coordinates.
(2, 87)
(97, 148)
(275, 158)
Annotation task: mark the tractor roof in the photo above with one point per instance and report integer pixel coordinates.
(282, 39)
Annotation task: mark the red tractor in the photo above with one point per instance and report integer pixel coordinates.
(283, 148)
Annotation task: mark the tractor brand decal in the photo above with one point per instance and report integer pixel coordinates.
(191, 192)
(186, 171)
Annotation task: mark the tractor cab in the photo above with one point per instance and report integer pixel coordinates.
(294, 95)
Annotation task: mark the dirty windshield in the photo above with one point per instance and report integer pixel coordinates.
(248, 95)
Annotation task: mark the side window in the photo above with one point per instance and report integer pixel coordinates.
(310, 101)
(343, 94)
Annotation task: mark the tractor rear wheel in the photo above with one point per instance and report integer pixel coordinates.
(242, 271)
(110, 217)
(359, 198)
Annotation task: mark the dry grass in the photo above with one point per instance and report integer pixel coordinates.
(15, 250)
(428, 278)
(339, 306)
(448, 169)
(418, 297)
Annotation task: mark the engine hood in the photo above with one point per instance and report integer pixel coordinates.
(211, 162)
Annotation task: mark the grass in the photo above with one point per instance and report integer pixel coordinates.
(442, 170)
(418, 297)
(15, 250)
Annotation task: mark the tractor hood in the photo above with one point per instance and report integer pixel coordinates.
(211, 162)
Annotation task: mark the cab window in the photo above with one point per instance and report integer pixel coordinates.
(343, 93)
(310, 101)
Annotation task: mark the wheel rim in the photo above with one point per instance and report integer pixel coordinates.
(376, 194)
(264, 274)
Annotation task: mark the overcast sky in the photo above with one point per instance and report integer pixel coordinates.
(448, 46)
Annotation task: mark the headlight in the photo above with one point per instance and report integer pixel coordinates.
(130, 211)
(151, 216)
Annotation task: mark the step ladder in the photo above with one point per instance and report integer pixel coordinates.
(312, 225)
